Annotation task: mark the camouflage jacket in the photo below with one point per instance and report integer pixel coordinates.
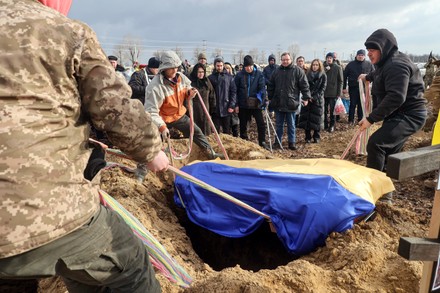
(55, 78)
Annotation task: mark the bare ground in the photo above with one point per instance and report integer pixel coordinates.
(363, 259)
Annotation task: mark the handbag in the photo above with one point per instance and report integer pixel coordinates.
(252, 103)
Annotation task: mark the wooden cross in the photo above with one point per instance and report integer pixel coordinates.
(408, 164)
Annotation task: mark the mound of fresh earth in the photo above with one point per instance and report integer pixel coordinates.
(363, 259)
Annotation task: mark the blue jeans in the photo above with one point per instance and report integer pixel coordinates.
(280, 117)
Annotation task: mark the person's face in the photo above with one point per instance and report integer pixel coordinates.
(315, 66)
(240, 67)
(374, 55)
(219, 66)
(202, 61)
(154, 70)
(271, 61)
(286, 60)
(329, 60)
(249, 68)
(114, 63)
(228, 69)
(171, 72)
(300, 62)
(360, 57)
(200, 73)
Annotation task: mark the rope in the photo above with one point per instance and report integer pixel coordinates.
(173, 153)
(362, 140)
(350, 144)
(214, 130)
(216, 191)
(159, 257)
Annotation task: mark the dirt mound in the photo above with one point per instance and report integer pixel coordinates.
(363, 259)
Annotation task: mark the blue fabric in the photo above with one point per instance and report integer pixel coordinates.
(304, 209)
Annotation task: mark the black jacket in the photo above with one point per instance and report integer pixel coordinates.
(311, 115)
(225, 91)
(353, 70)
(138, 83)
(284, 88)
(248, 85)
(335, 77)
(397, 82)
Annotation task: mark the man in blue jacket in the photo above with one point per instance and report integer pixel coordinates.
(251, 97)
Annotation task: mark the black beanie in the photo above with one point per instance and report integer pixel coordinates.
(153, 62)
(360, 52)
(112, 58)
(248, 61)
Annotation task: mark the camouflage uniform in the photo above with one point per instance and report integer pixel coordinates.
(55, 78)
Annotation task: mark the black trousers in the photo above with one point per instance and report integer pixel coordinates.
(183, 125)
(329, 108)
(355, 102)
(389, 139)
(246, 115)
(222, 122)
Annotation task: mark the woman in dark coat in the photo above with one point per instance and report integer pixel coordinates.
(204, 86)
(311, 115)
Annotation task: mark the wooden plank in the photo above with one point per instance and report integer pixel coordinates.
(434, 229)
(412, 163)
(423, 249)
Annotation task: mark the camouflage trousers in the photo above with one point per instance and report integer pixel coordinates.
(102, 256)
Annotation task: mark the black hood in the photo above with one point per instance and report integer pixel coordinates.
(382, 40)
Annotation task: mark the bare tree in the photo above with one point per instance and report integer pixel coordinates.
(293, 49)
(263, 59)
(240, 56)
(254, 54)
(196, 53)
(217, 52)
(120, 52)
(179, 52)
(158, 53)
(129, 50)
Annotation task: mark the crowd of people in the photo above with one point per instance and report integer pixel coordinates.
(51, 222)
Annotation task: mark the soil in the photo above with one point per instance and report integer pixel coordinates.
(363, 259)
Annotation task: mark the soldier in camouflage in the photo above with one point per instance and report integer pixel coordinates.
(55, 79)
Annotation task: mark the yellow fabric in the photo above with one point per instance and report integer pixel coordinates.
(436, 134)
(367, 183)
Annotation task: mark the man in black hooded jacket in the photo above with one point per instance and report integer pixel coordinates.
(398, 89)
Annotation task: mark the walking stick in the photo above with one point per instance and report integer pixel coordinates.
(268, 128)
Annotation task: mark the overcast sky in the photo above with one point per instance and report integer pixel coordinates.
(317, 27)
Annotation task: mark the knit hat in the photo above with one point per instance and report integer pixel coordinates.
(271, 57)
(201, 56)
(360, 52)
(169, 59)
(112, 58)
(247, 61)
(218, 59)
(330, 54)
(372, 45)
(153, 62)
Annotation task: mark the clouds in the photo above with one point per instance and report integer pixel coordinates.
(270, 26)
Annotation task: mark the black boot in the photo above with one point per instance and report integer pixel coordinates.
(292, 146)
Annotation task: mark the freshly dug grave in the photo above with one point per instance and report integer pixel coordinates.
(363, 259)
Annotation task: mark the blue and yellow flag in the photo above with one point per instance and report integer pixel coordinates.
(305, 199)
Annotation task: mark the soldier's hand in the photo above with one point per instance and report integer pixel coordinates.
(159, 163)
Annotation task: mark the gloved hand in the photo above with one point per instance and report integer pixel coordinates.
(165, 134)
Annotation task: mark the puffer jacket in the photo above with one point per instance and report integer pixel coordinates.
(311, 115)
(285, 86)
(397, 82)
(49, 94)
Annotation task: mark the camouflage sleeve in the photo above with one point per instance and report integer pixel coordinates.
(106, 100)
